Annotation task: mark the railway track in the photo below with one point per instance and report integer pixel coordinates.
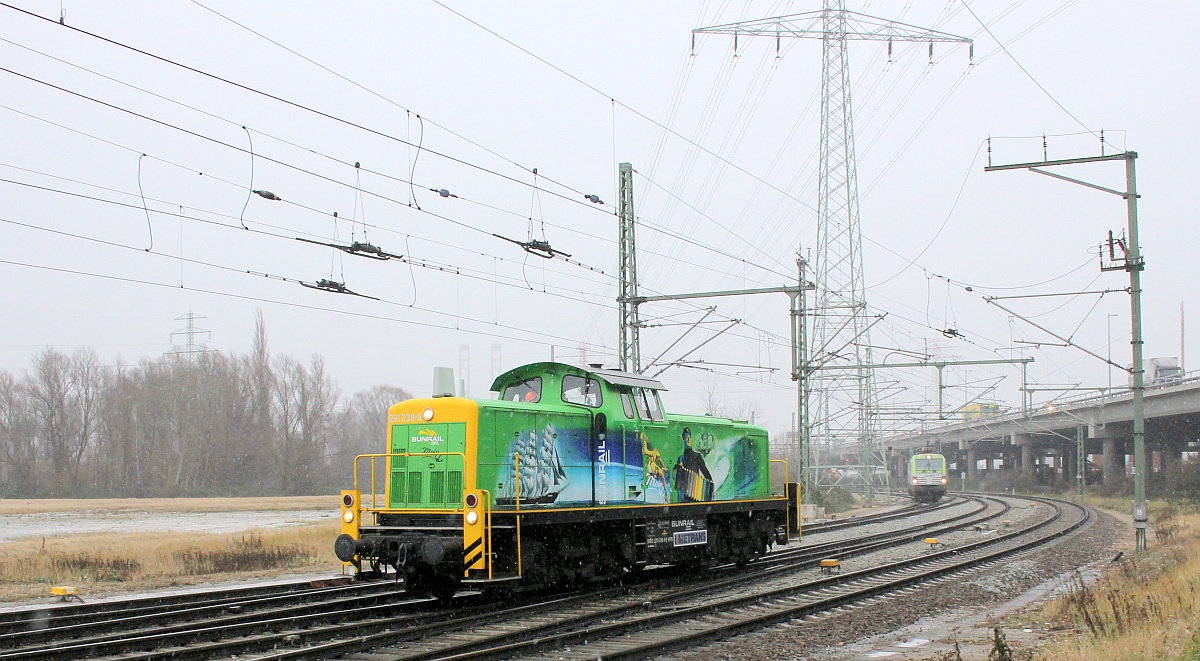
(58, 614)
(349, 622)
(911, 509)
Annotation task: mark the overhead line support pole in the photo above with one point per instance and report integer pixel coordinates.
(629, 345)
(1134, 264)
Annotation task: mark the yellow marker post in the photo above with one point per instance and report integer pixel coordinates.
(65, 593)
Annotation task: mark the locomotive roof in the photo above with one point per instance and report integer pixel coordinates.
(615, 377)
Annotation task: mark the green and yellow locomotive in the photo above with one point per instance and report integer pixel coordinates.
(570, 475)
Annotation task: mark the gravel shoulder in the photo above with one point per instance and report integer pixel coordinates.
(923, 625)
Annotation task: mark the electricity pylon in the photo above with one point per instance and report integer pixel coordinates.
(844, 416)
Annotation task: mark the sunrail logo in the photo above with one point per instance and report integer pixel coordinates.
(427, 436)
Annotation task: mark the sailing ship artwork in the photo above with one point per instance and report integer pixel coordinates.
(540, 468)
(555, 469)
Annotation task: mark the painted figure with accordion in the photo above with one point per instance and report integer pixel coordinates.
(693, 482)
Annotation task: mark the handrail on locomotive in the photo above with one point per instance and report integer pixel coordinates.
(388, 455)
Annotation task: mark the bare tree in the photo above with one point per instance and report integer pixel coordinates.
(305, 403)
(209, 424)
(18, 447)
(746, 409)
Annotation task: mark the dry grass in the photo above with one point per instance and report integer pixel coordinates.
(1148, 608)
(274, 504)
(111, 562)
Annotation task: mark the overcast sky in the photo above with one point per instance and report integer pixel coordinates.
(415, 92)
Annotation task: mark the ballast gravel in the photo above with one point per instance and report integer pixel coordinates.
(830, 637)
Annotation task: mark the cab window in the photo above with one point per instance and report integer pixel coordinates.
(529, 391)
(578, 390)
(627, 404)
(648, 404)
(639, 398)
(930, 464)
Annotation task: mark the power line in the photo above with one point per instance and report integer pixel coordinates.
(247, 297)
(269, 276)
(421, 263)
(294, 104)
(1026, 71)
(651, 225)
(450, 269)
(613, 99)
(381, 96)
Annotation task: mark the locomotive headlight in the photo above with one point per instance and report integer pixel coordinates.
(472, 518)
(914, 480)
(348, 516)
(945, 480)
(427, 414)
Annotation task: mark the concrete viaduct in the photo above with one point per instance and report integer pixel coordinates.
(1043, 441)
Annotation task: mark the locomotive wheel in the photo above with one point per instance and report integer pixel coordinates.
(443, 588)
(418, 582)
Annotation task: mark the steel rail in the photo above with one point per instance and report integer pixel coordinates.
(744, 620)
(49, 614)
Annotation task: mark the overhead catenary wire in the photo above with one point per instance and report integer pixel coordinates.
(377, 94)
(525, 335)
(234, 147)
(294, 104)
(455, 270)
(649, 224)
(149, 227)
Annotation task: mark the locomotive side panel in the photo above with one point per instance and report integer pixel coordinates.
(542, 456)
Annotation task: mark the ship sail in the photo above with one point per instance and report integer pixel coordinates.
(541, 472)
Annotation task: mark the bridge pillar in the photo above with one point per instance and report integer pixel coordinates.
(1025, 443)
(971, 465)
(1114, 464)
(1170, 458)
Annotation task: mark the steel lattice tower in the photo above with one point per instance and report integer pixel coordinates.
(842, 407)
(630, 354)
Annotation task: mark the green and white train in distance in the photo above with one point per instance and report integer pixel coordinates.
(569, 474)
(927, 477)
